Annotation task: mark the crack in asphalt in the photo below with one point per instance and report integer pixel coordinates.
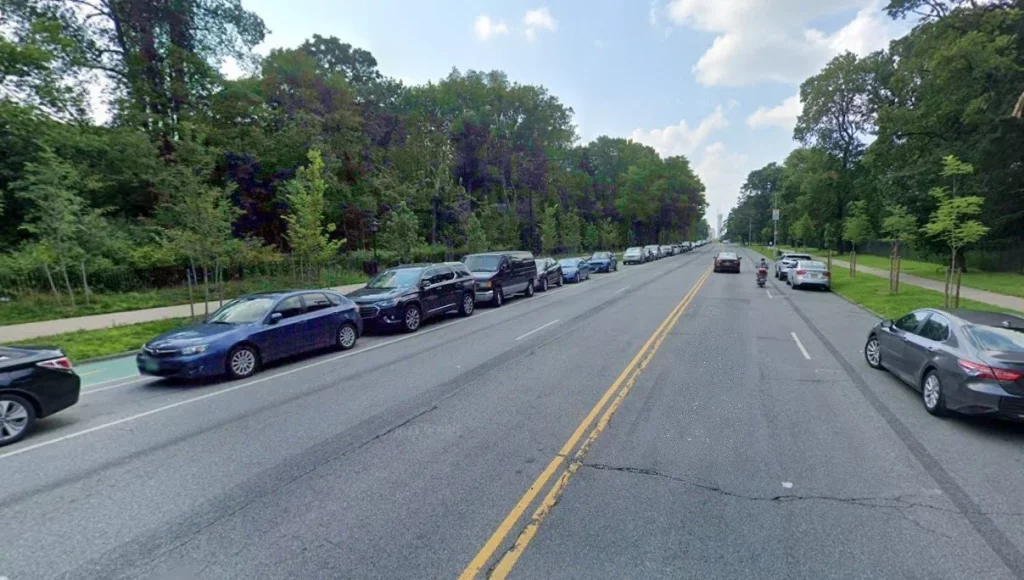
(890, 502)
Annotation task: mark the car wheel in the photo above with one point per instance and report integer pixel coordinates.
(544, 284)
(560, 281)
(242, 362)
(412, 318)
(529, 289)
(616, 268)
(468, 304)
(17, 417)
(347, 336)
(499, 297)
(932, 395)
(873, 352)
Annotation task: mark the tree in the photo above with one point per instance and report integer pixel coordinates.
(476, 237)
(856, 230)
(591, 237)
(954, 221)
(803, 230)
(570, 232)
(51, 187)
(401, 231)
(610, 235)
(549, 229)
(309, 238)
(899, 227)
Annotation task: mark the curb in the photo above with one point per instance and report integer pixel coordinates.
(106, 357)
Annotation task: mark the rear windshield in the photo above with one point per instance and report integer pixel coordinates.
(812, 265)
(1001, 339)
(724, 256)
(797, 257)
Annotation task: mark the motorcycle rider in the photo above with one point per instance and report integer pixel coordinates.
(761, 271)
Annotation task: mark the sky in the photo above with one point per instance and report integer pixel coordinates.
(715, 80)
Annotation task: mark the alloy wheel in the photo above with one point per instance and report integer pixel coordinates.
(412, 318)
(347, 337)
(14, 418)
(243, 362)
(468, 303)
(873, 353)
(932, 392)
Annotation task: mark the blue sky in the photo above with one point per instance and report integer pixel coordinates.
(715, 80)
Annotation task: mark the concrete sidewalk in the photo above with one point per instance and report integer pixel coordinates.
(30, 330)
(1001, 300)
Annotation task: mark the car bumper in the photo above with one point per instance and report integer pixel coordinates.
(804, 281)
(57, 391)
(601, 267)
(484, 295)
(181, 367)
(985, 398)
(376, 317)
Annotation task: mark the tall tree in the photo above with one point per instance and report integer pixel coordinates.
(308, 235)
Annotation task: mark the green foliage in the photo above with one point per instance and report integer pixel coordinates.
(569, 233)
(476, 237)
(609, 235)
(803, 230)
(591, 237)
(400, 232)
(857, 227)
(549, 230)
(309, 238)
(900, 226)
(954, 220)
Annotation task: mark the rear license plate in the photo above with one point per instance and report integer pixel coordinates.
(815, 276)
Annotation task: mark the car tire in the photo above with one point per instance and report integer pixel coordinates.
(412, 318)
(242, 362)
(560, 281)
(931, 394)
(544, 284)
(873, 352)
(17, 418)
(468, 304)
(499, 297)
(347, 336)
(529, 289)
(616, 268)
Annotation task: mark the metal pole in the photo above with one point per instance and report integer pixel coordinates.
(775, 220)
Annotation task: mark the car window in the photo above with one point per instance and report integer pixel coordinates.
(811, 265)
(442, 274)
(998, 339)
(290, 307)
(935, 328)
(430, 276)
(911, 321)
(316, 301)
(335, 299)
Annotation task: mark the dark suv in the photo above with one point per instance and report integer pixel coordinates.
(404, 296)
(501, 274)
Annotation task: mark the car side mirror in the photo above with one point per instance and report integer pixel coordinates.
(887, 323)
(275, 317)
(424, 283)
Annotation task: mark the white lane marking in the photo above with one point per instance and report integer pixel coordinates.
(117, 380)
(260, 380)
(787, 484)
(769, 293)
(89, 373)
(538, 329)
(119, 385)
(801, 345)
(622, 289)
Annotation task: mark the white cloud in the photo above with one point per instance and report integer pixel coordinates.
(539, 19)
(485, 28)
(782, 115)
(722, 173)
(681, 139)
(772, 40)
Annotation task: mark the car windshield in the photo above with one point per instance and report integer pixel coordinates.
(397, 278)
(244, 310)
(600, 256)
(571, 263)
(998, 339)
(483, 263)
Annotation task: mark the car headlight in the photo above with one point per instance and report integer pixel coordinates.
(386, 303)
(196, 349)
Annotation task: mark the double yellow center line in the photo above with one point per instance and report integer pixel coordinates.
(616, 393)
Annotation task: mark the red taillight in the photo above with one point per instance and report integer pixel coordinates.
(63, 363)
(981, 371)
(717, 262)
(801, 272)
(827, 274)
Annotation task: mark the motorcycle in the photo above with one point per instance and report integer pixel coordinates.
(762, 277)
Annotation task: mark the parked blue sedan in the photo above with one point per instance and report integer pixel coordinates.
(575, 269)
(603, 262)
(253, 330)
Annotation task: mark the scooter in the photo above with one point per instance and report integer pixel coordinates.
(762, 277)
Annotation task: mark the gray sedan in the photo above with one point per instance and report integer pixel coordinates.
(809, 273)
(966, 361)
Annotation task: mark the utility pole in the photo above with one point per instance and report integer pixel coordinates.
(775, 219)
(750, 228)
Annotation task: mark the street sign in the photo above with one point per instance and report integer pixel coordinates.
(775, 215)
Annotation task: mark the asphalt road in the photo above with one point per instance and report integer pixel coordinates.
(488, 444)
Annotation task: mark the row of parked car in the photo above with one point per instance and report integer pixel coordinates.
(802, 271)
(642, 255)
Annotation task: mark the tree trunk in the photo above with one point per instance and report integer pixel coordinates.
(67, 282)
(191, 299)
(830, 261)
(85, 283)
(899, 260)
(53, 286)
(959, 277)
(949, 276)
(206, 290)
(220, 283)
(853, 262)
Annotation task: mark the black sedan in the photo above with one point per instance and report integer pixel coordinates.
(966, 361)
(404, 296)
(34, 383)
(603, 262)
(549, 273)
(727, 262)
